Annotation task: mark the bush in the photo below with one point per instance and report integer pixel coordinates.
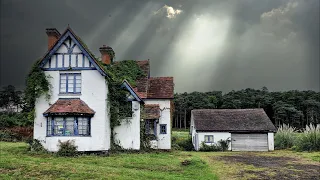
(35, 145)
(285, 137)
(13, 119)
(207, 148)
(224, 144)
(309, 140)
(15, 134)
(186, 144)
(67, 148)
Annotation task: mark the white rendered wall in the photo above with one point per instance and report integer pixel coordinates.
(217, 136)
(271, 141)
(94, 94)
(128, 133)
(164, 140)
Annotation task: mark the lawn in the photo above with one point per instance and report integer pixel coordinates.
(17, 163)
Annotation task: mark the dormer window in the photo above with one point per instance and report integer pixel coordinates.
(70, 83)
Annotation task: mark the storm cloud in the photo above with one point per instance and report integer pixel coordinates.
(205, 45)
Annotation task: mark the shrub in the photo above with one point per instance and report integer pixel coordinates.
(309, 140)
(224, 144)
(206, 148)
(67, 148)
(16, 134)
(182, 144)
(9, 136)
(285, 137)
(13, 119)
(35, 145)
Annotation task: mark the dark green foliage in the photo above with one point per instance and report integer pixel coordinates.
(37, 85)
(182, 144)
(295, 108)
(14, 119)
(224, 144)
(144, 138)
(10, 98)
(285, 137)
(118, 72)
(67, 148)
(36, 146)
(309, 140)
(208, 148)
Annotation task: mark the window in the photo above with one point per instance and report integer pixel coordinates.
(70, 83)
(208, 138)
(163, 129)
(68, 126)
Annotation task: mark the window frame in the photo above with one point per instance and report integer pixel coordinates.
(50, 131)
(67, 84)
(208, 138)
(165, 128)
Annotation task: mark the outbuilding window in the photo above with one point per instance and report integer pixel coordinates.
(70, 83)
(68, 126)
(163, 129)
(208, 138)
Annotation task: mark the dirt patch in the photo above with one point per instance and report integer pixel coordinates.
(274, 167)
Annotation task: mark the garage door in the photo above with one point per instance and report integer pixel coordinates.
(249, 142)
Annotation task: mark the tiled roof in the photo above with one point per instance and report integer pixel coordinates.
(160, 87)
(69, 106)
(153, 87)
(151, 111)
(232, 120)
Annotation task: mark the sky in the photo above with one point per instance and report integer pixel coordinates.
(205, 45)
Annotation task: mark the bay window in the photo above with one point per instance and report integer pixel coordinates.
(68, 126)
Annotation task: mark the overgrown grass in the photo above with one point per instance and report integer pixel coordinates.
(17, 163)
(181, 140)
(309, 140)
(284, 137)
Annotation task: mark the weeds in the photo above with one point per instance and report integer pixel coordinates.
(285, 137)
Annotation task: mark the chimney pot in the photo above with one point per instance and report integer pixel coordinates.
(53, 36)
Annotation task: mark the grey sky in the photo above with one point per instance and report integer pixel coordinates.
(205, 45)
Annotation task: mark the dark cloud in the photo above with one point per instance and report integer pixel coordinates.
(206, 45)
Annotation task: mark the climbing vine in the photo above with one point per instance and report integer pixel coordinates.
(37, 84)
(117, 96)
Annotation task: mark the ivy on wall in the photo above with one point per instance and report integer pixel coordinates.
(37, 84)
(117, 97)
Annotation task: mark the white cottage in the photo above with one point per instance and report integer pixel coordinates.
(78, 106)
(248, 129)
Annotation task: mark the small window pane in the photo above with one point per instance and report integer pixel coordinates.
(69, 126)
(83, 126)
(208, 138)
(58, 126)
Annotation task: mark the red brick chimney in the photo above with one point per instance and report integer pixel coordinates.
(53, 36)
(106, 54)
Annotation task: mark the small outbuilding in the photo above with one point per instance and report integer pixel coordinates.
(248, 129)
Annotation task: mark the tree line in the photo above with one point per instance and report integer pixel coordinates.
(295, 108)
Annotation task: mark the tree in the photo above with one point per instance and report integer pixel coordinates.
(10, 98)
